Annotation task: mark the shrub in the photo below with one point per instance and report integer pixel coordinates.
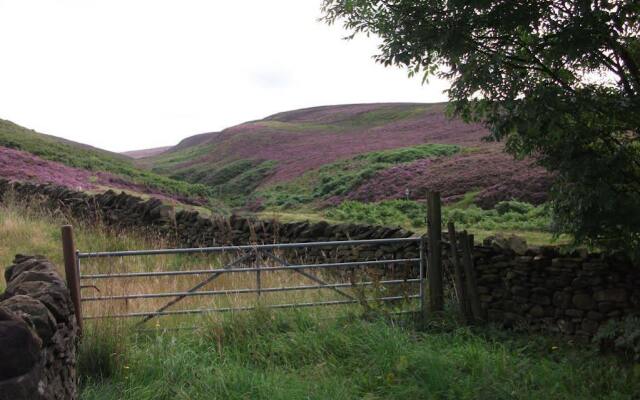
(412, 213)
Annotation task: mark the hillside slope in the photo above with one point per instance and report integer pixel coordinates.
(146, 152)
(28, 155)
(367, 152)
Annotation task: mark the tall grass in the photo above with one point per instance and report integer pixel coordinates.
(328, 353)
(295, 355)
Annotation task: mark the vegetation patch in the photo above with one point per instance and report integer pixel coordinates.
(507, 215)
(295, 355)
(233, 182)
(339, 178)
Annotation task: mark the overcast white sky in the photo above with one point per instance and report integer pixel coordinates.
(125, 75)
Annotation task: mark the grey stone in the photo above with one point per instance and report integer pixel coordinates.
(19, 346)
(589, 326)
(33, 312)
(613, 295)
(541, 299)
(583, 301)
(537, 311)
(574, 313)
(566, 327)
(562, 299)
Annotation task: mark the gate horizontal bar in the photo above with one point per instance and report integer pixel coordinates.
(248, 308)
(222, 249)
(252, 269)
(243, 291)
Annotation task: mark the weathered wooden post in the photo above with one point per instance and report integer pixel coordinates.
(472, 286)
(434, 271)
(258, 278)
(71, 271)
(423, 264)
(458, 279)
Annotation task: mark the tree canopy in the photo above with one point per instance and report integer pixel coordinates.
(558, 80)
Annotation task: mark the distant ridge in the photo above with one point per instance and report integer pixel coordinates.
(317, 156)
(146, 152)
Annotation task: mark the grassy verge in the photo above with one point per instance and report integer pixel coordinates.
(331, 353)
(298, 356)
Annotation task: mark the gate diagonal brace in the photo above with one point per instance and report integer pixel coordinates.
(196, 287)
(308, 275)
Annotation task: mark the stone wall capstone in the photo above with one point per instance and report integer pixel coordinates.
(38, 334)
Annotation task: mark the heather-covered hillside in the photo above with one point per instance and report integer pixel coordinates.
(321, 156)
(28, 155)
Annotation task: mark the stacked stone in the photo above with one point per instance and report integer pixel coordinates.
(38, 334)
(190, 229)
(573, 295)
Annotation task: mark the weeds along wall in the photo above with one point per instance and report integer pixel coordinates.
(539, 288)
(38, 334)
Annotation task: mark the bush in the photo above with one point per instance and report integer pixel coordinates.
(511, 216)
(517, 207)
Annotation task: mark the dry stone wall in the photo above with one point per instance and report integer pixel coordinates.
(539, 288)
(542, 289)
(190, 229)
(38, 334)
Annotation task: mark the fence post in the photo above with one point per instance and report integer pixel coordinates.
(434, 272)
(71, 271)
(472, 286)
(258, 278)
(423, 302)
(463, 300)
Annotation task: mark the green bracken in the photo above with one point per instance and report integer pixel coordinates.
(339, 177)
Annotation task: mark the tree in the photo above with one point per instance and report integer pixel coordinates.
(558, 80)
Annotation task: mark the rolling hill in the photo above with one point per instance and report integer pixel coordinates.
(319, 157)
(368, 163)
(32, 156)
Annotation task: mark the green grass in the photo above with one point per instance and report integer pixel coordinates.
(303, 355)
(230, 183)
(533, 223)
(342, 176)
(32, 229)
(343, 122)
(294, 355)
(166, 163)
(89, 158)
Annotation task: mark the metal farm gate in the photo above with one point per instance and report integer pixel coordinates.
(239, 278)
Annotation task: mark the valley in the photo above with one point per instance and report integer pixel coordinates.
(363, 163)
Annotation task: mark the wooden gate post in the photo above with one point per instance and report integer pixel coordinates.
(434, 271)
(463, 301)
(466, 241)
(71, 271)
